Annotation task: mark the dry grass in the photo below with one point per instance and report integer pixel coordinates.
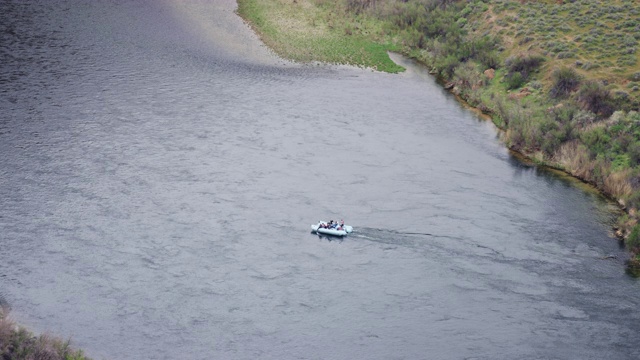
(574, 158)
(618, 184)
(298, 18)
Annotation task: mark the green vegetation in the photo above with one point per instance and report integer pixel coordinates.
(561, 78)
(308, 32)
(18, 343)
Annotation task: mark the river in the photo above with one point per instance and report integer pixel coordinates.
(160, 170)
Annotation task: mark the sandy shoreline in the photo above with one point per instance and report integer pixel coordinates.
(218, 24)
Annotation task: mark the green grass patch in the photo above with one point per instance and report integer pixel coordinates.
(304, 31)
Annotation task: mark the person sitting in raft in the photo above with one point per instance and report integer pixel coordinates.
(328, 225)
(341, 226)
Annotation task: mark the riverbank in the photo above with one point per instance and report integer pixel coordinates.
(561, 80)
(18, 343)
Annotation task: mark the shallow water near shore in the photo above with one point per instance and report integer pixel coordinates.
(160, 171)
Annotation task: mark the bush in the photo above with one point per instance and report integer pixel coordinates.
(589, 65)
(621, 162)
(633, 241)
(489, 59)
(448, 65)
(18, 343)
(565, 55)
(622, 101)
(357, 6)
(468, 76)
(525, 65)
(514, 80)
(596, 98)
(634, 153)
(626, 60)
(565, 80)
(536, 85)
(526, 39)
(633, 201)
(564, 114)
(629, 41)
(552, 136)
(519, 69)
(583, 118)
(597, 140)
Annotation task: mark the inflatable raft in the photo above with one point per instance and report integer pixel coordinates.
(317, 228)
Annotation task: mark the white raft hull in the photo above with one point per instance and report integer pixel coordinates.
(335, 232)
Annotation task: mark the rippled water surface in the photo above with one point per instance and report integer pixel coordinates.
(160, 169)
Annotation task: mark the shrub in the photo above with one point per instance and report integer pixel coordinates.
(526, 39)
(634, 153)
(468, 76)
(448, 65)
(597, 140)
(519, 69)
(509, 114)
(620, 162)
(565, 80)
(525, 65)
(626, 60)
(583, 118)
(564, 114)
(633, 200)
(633, 241)
(514, 80)
(357, 6)
(596, 98)
(565, 55)
(552, 136)
(489, 59)
(589, 65)
(629, 41)
(18, 343)
(622, 101)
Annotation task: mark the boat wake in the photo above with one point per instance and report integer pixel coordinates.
(409, 239)
(386, 232)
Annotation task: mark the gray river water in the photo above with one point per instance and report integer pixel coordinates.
(160, 169)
